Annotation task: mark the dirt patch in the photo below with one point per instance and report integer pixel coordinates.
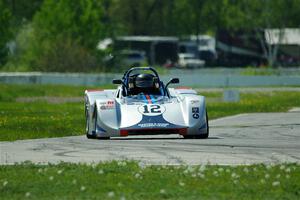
(295, 109)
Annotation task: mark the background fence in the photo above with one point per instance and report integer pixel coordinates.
(192, 79)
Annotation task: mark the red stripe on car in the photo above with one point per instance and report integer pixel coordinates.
(148, 98)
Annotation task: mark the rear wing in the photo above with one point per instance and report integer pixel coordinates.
(175, 92)
(184, 90)
(92, 95)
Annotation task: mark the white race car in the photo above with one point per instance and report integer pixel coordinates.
(143, 105)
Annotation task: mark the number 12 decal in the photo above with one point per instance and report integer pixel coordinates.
(151, 109)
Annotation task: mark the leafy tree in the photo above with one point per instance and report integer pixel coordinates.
(254, 16)
(22, 11)
(147, 17)
(5, 32)
(188, 19)
(263, 15)
(65, 25)
(58, 35)
(79, 20)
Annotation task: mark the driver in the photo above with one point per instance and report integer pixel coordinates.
(144, 83)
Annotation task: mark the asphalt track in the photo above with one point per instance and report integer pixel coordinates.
(240, 139)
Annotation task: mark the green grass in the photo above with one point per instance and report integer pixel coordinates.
(255, 102)
(130, 180)
(40, 119)
(267, 71)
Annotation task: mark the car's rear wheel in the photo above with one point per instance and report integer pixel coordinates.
(202, 136)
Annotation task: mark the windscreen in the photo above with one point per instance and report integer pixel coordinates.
(142, 98)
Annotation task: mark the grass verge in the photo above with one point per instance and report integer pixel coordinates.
(253, 103)
(40, 119)
(131, 180)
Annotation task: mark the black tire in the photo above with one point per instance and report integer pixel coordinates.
(202, 136)
(95, 125)
(91, 136)
(87, 127)
(207, 125)
(103, 138)
(86, 121)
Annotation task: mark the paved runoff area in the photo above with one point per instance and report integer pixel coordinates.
(235, 140)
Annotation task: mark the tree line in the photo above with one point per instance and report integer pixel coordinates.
(62, 35)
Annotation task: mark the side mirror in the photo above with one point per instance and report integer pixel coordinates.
(173, 80)
(117, 81)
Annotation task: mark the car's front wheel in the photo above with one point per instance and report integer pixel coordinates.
(202, 136)
(87, 128)
(94, 136)
(86, 120)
